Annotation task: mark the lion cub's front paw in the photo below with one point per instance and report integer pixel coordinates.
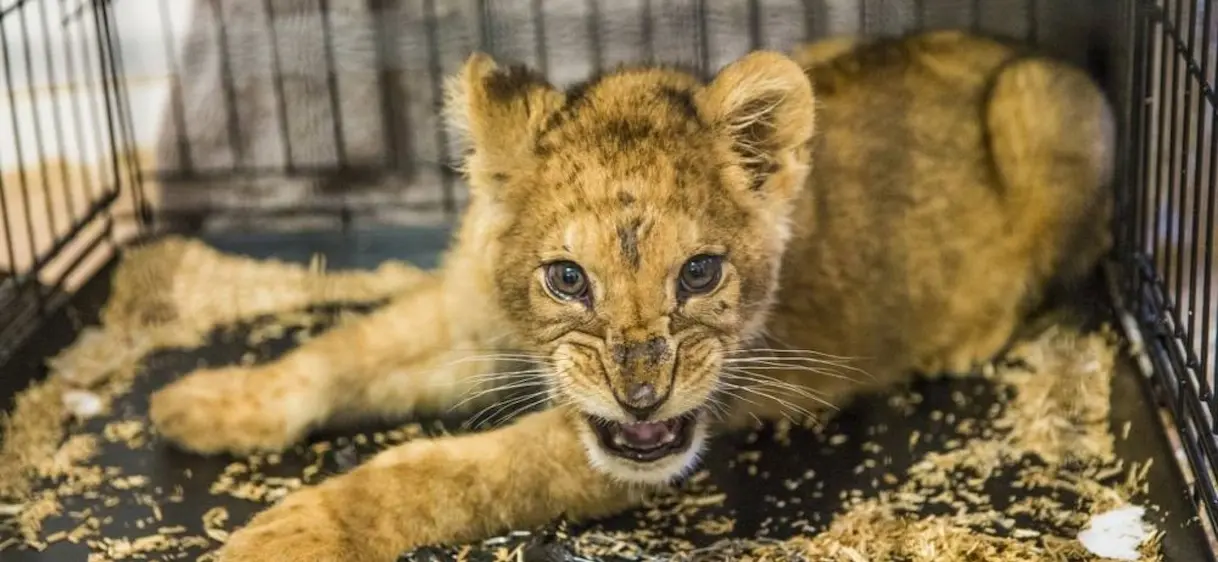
(298, 529)
(232, 410)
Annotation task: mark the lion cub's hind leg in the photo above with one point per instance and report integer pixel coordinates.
(1052, 137)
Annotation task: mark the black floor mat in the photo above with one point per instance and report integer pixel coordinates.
(772, 483)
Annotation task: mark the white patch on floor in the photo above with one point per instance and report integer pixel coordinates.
(1116, 534)
(82, 404)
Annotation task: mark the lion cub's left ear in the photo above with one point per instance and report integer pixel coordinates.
(764, 103)
(496, 113)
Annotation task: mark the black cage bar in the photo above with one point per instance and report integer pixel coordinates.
(324, 114)
(65, 155)
(1165, 230)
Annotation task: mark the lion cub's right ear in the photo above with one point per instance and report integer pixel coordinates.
(496, 114)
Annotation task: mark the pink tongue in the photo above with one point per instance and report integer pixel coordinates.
(646, 434)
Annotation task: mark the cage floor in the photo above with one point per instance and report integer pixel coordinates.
(767, 485)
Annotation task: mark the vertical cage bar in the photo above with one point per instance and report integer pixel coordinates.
(1149, 132)
(126, 127)
(95, 122)
(387, 76)
(539, 36)
(1173, 270)
(649, 41)
(1140, 123)
(436, 69)
(703, 37)
(185, 158)
(1161, 96)
(57, 114)
(594, 36)
(754, 10)
(107, 85)
(1202, 173)
(1189, 141)
(86, 175)
(230, 95)
(281, 104)
(336, 108)
(809, 20)
(17, 144)
(39, 147)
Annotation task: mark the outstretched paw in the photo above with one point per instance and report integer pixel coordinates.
(298, 529)
(234, 410)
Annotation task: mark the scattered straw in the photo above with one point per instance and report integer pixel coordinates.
(168, 294)
(1051, 436)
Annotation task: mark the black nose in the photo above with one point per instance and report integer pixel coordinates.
(641, 400)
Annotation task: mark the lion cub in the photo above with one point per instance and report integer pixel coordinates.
(673, 255)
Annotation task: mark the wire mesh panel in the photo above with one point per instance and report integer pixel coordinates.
(1166, 233)
(63, 154)
(325, 113)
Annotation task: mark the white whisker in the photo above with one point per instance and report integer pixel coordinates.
(729, 392)
(784, 403)
(492, 409)
(498, 388)
(781, 385)
(777, 365)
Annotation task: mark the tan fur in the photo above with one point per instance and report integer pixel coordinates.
(952, 185)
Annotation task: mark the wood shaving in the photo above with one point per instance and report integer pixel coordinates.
(167, 294)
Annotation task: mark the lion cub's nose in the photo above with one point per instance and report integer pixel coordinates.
(641, 400)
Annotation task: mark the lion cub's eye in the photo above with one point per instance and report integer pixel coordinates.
(566, 280)
(701, 274)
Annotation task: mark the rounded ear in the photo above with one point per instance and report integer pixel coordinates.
(764, 103)
(495, 114)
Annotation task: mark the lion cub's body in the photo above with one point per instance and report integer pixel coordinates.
(953, 181)
(951, 185)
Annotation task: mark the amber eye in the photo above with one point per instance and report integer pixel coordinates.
(566, 280)
(701, 274)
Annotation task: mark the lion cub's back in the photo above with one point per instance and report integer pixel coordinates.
(953, 179)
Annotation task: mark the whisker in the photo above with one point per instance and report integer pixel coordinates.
(718, 407)
(484, 377)
(512, 357)
(843, 363)
(784, 403)
(547, 393)
(773, 365)
(515, 412)
(487, 377)
(790, 352)
(783, 385)
(498, 388)
(745, 374)
(729, 392)
(499, 406)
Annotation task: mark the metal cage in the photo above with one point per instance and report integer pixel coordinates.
(125, 120)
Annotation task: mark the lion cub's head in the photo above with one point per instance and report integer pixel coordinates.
(640, 220)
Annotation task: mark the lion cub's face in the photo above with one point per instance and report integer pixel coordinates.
(641, 220)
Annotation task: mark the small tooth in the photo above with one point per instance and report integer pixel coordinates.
(668, 438)
(618, 439)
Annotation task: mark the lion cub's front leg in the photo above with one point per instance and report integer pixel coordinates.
(428, 492)
(402, 359)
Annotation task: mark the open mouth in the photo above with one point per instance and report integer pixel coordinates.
(645, 441)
